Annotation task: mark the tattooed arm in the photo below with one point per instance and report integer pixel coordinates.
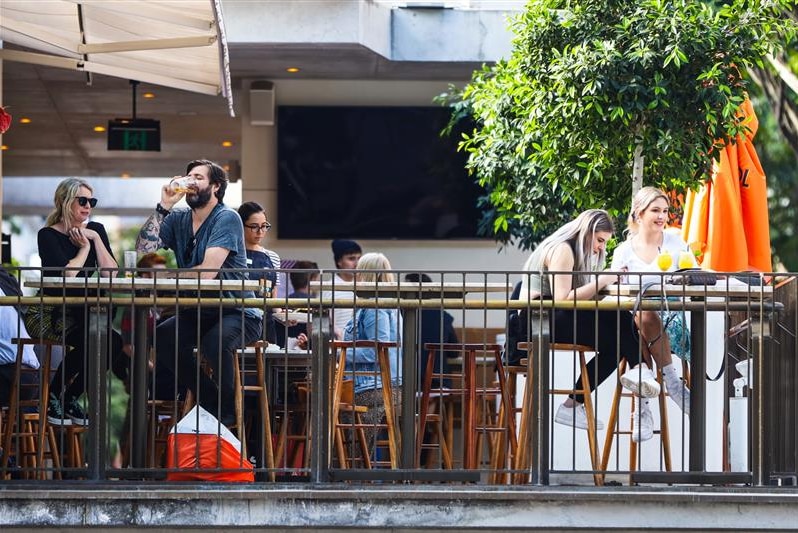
(149, 239)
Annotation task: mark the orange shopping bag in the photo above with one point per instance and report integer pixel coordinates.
(204, 450)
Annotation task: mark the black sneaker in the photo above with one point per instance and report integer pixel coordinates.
(55, 413)
(76, 413)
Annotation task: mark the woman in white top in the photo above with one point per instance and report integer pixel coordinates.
(661, 330)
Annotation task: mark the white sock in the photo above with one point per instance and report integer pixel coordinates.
(672, 379)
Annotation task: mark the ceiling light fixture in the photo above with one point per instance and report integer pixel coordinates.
(148, 95)
(24, 120)
(99, 129)
(4, 147)
(292, 70)
(125, 175)
(227, 144)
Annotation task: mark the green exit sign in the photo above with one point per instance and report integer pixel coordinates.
(141, 134)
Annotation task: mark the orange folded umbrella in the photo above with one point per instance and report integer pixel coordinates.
(726, 221)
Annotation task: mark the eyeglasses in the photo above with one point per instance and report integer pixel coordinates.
(82, 200)
(256, 227)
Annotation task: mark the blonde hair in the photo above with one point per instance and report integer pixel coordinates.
(64, 195)
(579, 234)
(642, 200)
(375, 261)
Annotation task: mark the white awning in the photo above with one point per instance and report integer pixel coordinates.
(175, 43)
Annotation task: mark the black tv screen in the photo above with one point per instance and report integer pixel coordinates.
(372, 173)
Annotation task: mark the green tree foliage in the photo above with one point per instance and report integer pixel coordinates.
(595, 87)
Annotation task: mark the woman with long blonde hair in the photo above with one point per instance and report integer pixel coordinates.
(567, 266)
(71, 245)
(662, 331)
(380, 325)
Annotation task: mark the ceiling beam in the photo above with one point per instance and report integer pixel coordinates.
(149, 44)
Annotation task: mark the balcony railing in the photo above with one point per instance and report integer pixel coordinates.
(425, 383)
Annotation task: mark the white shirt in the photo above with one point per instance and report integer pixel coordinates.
(340, 316)
(12, 326)
(625, 257)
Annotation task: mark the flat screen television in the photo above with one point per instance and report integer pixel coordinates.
(372, 173)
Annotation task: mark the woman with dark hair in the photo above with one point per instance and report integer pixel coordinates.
(72, 246)
(264, 263)
(576, 255)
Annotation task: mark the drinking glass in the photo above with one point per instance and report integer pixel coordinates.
(130, 263)
(664, 260)
(686, 260)
(182, 185)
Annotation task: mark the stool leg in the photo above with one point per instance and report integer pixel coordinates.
(265, 415)
(591, 422)
(664, 431)
(424, 405)
(387, 398)
(522, 460)
(239, 404)
(613, 420)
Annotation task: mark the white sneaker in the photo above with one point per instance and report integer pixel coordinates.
(574, 417)
(642, 423)
(641, 381)
(680, 394)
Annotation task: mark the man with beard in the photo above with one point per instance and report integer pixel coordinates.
(205, 238)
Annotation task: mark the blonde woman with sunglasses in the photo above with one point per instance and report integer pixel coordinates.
(70, 245)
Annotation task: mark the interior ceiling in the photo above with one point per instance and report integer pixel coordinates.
(63, 108)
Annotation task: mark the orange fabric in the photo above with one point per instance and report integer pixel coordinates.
(205, 457)
(727, 219)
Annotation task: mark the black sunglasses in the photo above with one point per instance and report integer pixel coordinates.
(82, 200)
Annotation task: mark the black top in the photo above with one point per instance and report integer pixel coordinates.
(56, 250)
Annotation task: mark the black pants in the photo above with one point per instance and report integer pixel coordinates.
(70, 378)
(612, 333)
(217, 335)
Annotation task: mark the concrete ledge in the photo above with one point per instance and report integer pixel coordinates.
(397, 507)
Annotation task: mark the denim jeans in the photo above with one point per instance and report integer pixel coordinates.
(217, 335)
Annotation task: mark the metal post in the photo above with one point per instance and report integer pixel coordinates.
(138, 447)
(539, 335)
(698, 361)
(409, 380)
(762, 434)
(320, 399)
(97, 387)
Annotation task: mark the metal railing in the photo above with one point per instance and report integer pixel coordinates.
(296, 410)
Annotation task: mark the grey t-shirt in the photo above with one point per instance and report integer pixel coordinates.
(223, 229)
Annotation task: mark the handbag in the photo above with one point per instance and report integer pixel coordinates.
(692, 276)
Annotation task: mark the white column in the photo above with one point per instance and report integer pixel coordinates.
(258, 160)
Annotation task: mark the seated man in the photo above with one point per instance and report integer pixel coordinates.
(11, 326)
(206, 238)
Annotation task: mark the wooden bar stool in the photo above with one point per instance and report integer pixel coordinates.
(523, 461)
(471, 394)
(252, 378)
(343, 402)
(614, 431)
(27, 435)
(293, 437)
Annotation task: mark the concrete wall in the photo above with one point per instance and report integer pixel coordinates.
(397, 33)
(396, 508)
